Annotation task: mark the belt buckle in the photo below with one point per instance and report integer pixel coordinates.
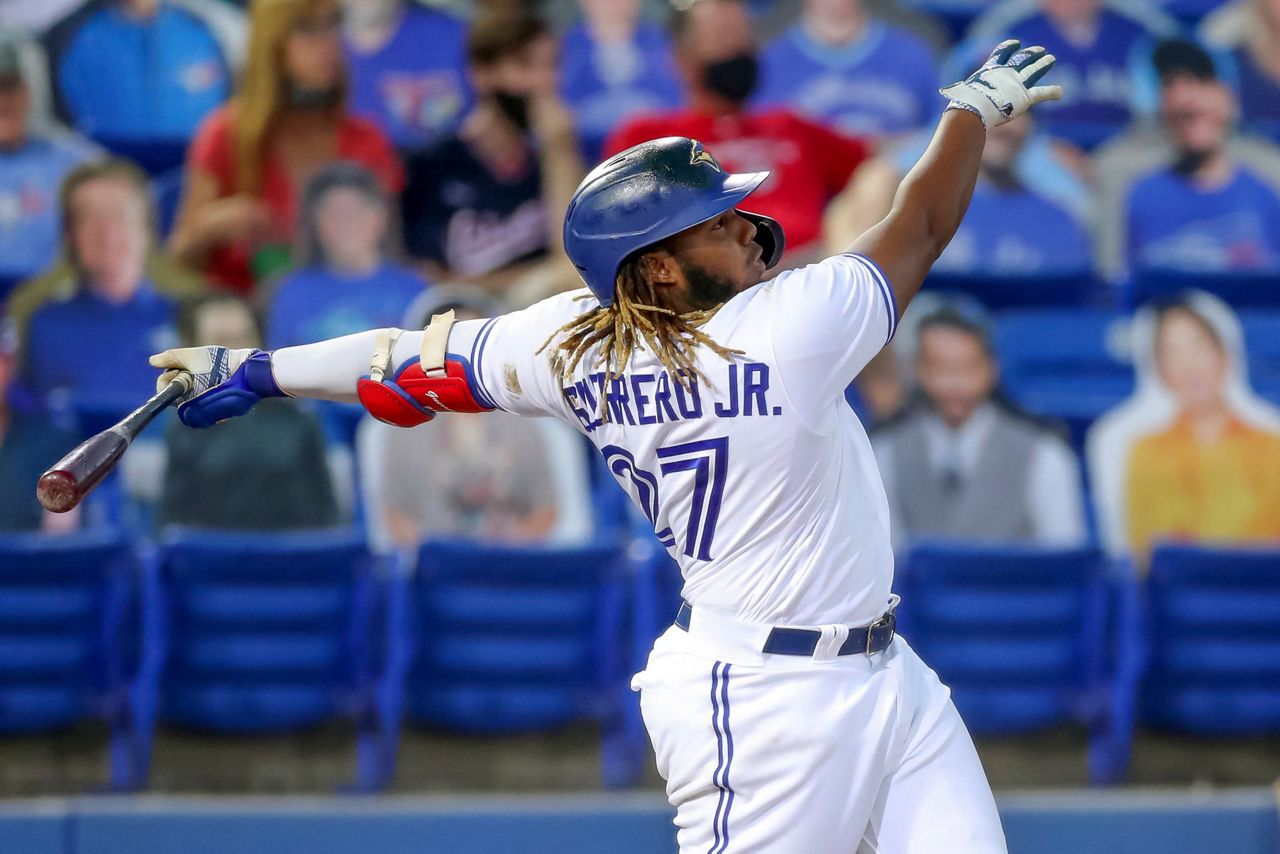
(888, 621)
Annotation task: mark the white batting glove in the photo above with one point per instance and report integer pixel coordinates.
(1004, 88)
(226, 382)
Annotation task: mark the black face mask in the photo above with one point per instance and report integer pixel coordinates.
(514, 107)
(733, 79)
(302, 98)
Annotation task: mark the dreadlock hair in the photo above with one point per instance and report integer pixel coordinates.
(635, 320)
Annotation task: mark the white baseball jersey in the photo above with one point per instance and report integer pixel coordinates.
(761, 483)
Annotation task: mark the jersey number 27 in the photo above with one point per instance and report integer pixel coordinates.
(707, 460)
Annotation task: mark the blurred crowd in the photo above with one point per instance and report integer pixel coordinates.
(275, 172)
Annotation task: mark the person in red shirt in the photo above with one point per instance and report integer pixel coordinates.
(250, 156)
(716, 55)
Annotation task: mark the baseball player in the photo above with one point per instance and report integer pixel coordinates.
(785, 715)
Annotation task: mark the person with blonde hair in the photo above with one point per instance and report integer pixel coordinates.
(250, 157)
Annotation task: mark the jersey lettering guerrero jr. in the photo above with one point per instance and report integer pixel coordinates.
(760, 483)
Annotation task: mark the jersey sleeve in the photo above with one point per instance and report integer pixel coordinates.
(828, 320)
(504, 368)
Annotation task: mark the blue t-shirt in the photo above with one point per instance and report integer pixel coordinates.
(1100, 81)
(1014, 232)
(30, 222)
(94, 352)
(314, 303)
(415, 86)
(1175, 225)
(605, 85)
(155, 78)
(884, 83)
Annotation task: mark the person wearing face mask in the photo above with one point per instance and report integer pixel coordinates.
(1204, 212)
(718, 61)
(251, 156)
(485, 205)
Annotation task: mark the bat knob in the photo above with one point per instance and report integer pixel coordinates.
(56, 491)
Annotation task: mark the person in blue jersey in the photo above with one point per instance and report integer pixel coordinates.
(407, 68)
(1205, 212)
(347, 281)
(615, 65)
(1103, 48)
(115, 308)
(860, 76)
(32, 167)
(141, 69)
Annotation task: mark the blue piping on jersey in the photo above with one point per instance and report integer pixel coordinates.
(886, 291)
(724, 750)
(477, 354)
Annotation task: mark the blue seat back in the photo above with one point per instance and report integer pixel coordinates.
(1016, 631)
(510, 638)
(1071, 288)
(1262, 342)
(1241, 290)
(63, 602)
(1069, 364)
(263, 632)
(1213, 640)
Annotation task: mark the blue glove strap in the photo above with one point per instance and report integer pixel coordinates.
(236, 395)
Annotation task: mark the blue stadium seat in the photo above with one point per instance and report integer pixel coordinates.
(1041, 289)
(1018, 633)
(261, 633)
(1262, 342)
(1241, 290)
(66, 651)
(1064, 363)
(154, 156)
(1212, 640)
(167, 189)
(514, 639)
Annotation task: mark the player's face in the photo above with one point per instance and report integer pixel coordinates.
(1190, 360)
(955, 372)
(714, 261)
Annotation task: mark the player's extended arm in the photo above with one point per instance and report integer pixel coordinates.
(401, 377)
(933, 197)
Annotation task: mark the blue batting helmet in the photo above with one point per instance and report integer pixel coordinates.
(647, 193)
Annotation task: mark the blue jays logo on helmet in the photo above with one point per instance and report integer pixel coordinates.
(646, 194)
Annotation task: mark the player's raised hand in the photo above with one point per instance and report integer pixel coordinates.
(1005, 87)
(226, 383)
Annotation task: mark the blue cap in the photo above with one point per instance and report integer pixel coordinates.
(646, 194)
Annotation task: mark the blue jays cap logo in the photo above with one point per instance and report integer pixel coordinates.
(700, 155)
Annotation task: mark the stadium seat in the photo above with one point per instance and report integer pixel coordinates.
(1212, 641)
(1041, 289)
(1018, 633)
(271, 633)
(64, 608)
(167, 189)
(515, 639)
(1262, 343)
(1064, 363)
(1240, 290)
(154, 156)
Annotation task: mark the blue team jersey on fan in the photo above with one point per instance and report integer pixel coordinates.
(884, 83)
(1099, 80)
(1015, 232)
(1175, 225)
(315, 304)
(122, 335)
(155, 78)
(30, 224)
(605, 85)
(415, 86)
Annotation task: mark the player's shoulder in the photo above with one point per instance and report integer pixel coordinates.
(823, 292)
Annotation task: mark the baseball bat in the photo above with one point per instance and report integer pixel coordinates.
(70, 479)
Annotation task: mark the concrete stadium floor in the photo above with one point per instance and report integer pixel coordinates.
(566, 760)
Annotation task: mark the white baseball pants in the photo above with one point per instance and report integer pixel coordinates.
(793, 755)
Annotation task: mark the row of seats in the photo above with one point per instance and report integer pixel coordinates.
(259, 634)
(1241, 290)
(235, 633)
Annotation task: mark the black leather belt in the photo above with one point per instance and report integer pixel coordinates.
(781, 641)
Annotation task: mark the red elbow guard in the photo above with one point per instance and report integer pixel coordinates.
(412, 397)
